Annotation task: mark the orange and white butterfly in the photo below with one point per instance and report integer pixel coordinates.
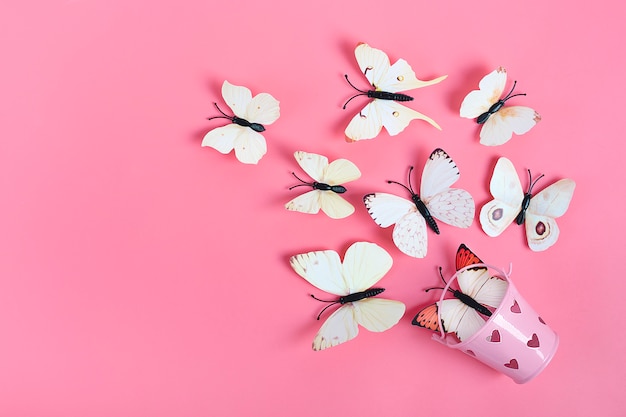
(466, 313)
(538, 213)
(364, 264)
(251, 116)
(326, 185)
(487, 107)
(387, 81)
(436, 201)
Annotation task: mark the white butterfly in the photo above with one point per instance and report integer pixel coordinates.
(511, 203)
(251, 116)
(326, 187)
(364, 265)
(436, 200)
(478, 291)
(387, 80)
(487, 106)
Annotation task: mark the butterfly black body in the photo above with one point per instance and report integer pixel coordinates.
(421, 207)
(350, 298)
(381, 95)
(521, 216)
(497, 106)
(257, 127)
(385, 95)
(470, 302)
(357, 296)
(339, 189)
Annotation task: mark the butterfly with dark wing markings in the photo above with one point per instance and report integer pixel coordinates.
(464, 314)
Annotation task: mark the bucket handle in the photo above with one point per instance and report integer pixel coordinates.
(442, 337)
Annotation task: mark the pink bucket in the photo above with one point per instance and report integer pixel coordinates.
(515, 340)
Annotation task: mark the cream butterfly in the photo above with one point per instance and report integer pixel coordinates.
(364, 265)
(384, 110)
(251, 116)
(538, 213)
(487, 106)
(436, 200)
(326, 185)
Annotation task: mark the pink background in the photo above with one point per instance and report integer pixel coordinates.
(143, 275)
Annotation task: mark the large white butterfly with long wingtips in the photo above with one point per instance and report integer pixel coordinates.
(486, 105)
(327, 185)
(386, 81)
(244, 133)
(364, 264)
(436, 200)
(538, 213)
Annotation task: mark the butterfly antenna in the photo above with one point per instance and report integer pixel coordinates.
(410, 187)
(225, 116)
(444, 281)
(299, 185)
(531, 182)
(361, 92)
(409, 178)
(324, 301)
(508, 96)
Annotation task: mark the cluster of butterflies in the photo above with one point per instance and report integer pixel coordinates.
(365, 263)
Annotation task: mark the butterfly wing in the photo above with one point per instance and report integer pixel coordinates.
(485, 289)
(500, 126)
(378, 314)
(308, 202)
(428, 318)
(323, 270)
(335, 206)
(409, 233)
(249, 146)
(376, 67)
(459, 318)
(338, 328)
(263, 108)
(313, 164)
(465, 257)
(490, 90)
(364, 264)
(237, 98)
(222, 138)
(395, 117)
(542, 230)
(340, 171)
(506, 189)
(450, 205)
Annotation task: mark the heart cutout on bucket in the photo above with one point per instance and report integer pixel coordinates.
(541, 320)
(533, 342)
(515, 308)
(495, 337)
(512, 364)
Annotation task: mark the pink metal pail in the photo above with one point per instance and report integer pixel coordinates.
(515, 340)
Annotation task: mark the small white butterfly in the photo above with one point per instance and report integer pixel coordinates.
(436, 200)
(466, 313)
(326, 185)
(384, 110)
(363, 266)
(251, 116)
(538, 213)
(487, 107)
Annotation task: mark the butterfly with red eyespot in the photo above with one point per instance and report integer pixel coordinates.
(464, 314)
